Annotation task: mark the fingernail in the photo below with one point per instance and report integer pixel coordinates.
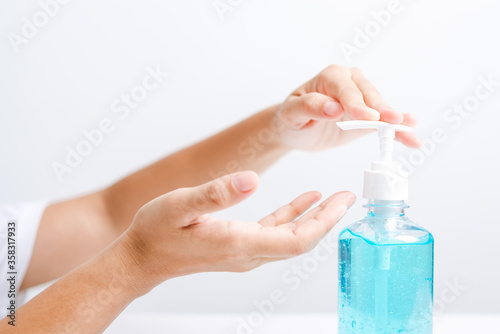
(372, 114)
(391, 115)
(244, 181)
(351, 201)
(332, 108)
(399, 118)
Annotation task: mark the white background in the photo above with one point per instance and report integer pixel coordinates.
(428, 58)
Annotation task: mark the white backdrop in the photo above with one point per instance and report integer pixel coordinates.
(62, 77)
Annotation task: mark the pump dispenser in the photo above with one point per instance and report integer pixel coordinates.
(385, 180)
(385, 259)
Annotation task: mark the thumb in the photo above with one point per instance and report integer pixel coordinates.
(217, 194)
(300, 110)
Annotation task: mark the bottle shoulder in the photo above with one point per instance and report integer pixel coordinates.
(394, 230)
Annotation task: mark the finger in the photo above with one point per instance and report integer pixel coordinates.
(300, 110)
(216, 195)
(409, 139)
(409, 120)
(292, 210)
(374, 99)
(352, 101)
(280, 241)
(311, 213)
(337, 83)
(312, 230)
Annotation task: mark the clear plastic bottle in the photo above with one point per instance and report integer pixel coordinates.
(385, 260)
(385, 273)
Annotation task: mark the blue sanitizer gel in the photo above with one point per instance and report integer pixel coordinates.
(385, 273)
(386, 261)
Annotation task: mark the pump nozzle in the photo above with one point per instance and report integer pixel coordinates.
(386, 134)
(386, 180)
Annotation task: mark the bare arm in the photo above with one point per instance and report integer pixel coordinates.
(86, 300)
(235, 149)
(171, 236)
(72, 232)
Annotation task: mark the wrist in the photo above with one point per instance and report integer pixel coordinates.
(272, 131)
(135, 261)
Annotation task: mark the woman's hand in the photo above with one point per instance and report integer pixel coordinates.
(336, 94)
(174, 234)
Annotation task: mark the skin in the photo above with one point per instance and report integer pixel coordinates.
(118, 243)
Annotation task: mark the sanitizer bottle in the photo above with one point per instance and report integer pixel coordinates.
(385, 260)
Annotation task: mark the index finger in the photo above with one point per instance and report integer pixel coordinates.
(337, 82)
(374, 99)
(302, 235)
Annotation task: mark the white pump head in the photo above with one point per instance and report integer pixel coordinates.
(385, 180)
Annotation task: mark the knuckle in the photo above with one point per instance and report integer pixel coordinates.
(350, 91)
(356, 110)
(215, 195)
(285, 110)
(381, 106)
(335, 68)
(355, 70)
(374, 95)
(331, 70)
(294, 210)
(311, 102)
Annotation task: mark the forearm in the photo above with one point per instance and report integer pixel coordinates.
(70, 233)
(84, 301)
(252, 144)
(73, 231)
